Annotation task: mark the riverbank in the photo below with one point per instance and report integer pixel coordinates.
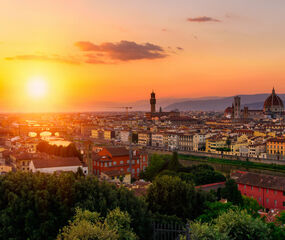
(226, 166)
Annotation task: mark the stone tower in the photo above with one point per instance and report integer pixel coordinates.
(237, 114)
(152, 102)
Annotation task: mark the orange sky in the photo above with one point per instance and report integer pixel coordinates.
(119, 50)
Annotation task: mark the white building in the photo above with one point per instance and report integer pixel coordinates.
(144, 138)
(57, 164)
(125, 136)
(171, 141)
(157, 140)
(199, 141)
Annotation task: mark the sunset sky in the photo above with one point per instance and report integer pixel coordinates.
(83, 52)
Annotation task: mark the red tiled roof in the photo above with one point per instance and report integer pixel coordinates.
(56, 162)
(260, 180)
(117, 151)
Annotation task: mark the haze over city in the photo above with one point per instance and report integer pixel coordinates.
(142, 120)
(77, 55)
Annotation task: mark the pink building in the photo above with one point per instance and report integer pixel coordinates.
(268, 190)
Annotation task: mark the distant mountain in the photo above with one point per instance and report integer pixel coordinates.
(141, 105)
(219, 104)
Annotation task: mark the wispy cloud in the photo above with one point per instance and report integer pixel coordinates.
(45, 58)
(203, 19)
(124, 50)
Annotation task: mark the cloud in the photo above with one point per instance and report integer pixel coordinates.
(95, 59)
(203, 19)
(45, 58)
(179, 48)
(124, 50)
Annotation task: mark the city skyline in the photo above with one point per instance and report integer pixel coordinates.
(82, 53)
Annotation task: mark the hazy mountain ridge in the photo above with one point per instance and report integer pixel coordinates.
(252, 101)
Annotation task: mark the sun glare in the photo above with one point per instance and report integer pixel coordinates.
(37, 87)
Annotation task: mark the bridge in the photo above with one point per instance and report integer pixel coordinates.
(25, 130)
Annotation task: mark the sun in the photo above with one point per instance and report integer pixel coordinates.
(37, 87)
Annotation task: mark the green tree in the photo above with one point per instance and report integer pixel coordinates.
(174, 164)
(37, 205)
(156, 164)
(281, 218)
(231, 225)
(214, 209)
(203, 231)
(231, 192)
(121, 222)
(251, 206)
(172, 196)
(89, 225)
(239, 225)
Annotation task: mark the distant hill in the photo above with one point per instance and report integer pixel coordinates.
(141, 105)
(252, 101)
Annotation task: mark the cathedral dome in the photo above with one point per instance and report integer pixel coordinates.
(273, 103)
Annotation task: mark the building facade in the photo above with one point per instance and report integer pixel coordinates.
(268, 190)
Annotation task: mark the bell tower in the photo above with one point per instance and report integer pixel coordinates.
(152, 102)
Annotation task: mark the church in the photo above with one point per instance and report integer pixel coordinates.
(272, 108)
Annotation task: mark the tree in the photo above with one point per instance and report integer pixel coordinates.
(231, 225)
(203, 231)
(157, 162)
(174, 164)
(214, 209)
(89, 225)
(251, 206)
(120, 221)
(239, 225)
(281, 218)
(37, 205)
(231, 192)
(172, 196)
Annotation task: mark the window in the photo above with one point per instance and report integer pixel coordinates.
(115, 163)
(144, 158)
(275, 202)
(259, 199)
(121, 162)
(244, 186)
(267, 200)
(275, 192)
(267, 190)
(251, 187)
(106, 164)
(138, 161)
(110, 164)
(283, 193)
(283, 204)
(138, 170)
(259, 189)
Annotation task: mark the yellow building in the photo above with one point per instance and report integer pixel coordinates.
(276, 147)
(5, 169)
(95, 133)
(214, 144)
(109, 134)
(21, 161)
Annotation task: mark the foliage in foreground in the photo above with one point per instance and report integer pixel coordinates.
(231, 225)
(172, 196)
(89, 225)
(36, 206)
